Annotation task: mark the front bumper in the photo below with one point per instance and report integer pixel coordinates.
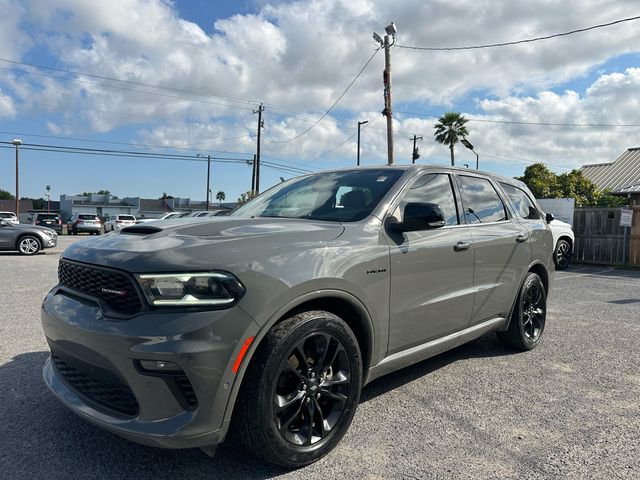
(49, 242)
(96, 369)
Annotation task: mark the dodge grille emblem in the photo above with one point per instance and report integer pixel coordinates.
(120, 293)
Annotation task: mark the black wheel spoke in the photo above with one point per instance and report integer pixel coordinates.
(340, 397)
(298, 352)
(311, 413)
(323, 428)
(299, 375)
(293, 415)
(283, 402)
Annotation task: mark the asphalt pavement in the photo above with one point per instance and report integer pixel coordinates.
(568, 409)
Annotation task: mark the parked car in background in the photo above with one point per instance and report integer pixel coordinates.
(26, 239)
(564, 241)
(266, 324)
(9, 217)
(118, 221)
(50, 220)
(165, 216)
(84, 223)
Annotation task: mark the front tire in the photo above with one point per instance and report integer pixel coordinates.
(529, 316)
(562, 255)
(300, 391)
(28, 245)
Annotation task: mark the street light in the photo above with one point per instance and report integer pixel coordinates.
(208, 157)
(17, 142)
(467, 144)
(359, 124)
(48, 189)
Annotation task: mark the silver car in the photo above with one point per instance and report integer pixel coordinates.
(26, 239)
(265, 325)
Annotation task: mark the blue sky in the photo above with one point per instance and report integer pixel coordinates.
(191, 72)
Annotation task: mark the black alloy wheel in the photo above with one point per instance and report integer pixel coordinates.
(529, 316)
(300, 391)
(311, 389)
(562, 255)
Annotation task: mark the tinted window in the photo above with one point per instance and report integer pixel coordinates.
(481, 201)
(7, 215)
(48, 216)
(346, 196)
(88, 217)
(126, 217)
(522, 203)
(434, 188)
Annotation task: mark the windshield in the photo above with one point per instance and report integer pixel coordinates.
(346, 196)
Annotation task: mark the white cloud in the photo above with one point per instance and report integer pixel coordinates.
(302, 54)
(7, 108)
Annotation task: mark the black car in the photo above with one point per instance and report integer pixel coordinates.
(49, 220)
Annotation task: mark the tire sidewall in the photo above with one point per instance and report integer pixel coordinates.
(531, 279)
(315, 323)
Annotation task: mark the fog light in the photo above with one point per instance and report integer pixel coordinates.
(159, 366)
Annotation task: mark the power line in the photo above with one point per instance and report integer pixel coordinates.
(517, 42)
(369, 122)
(543, 124)
(334, 103)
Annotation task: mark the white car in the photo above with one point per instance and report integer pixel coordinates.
(119, 221)
(166, 216)
(564, 241)
(9, 217)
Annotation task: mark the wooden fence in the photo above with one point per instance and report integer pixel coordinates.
(601, 239)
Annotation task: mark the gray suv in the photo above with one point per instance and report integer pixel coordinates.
(265, 325)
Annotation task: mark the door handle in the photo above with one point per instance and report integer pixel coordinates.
(522, 238)
(461, 246)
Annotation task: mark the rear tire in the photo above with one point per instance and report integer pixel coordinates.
(562, 255)
(529, 316)
(300, 391)
(28, 245)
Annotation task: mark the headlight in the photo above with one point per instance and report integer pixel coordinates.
(191, 289)
(51, 233)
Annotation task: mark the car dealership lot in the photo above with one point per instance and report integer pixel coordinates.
(569, 409)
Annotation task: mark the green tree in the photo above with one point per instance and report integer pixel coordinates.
(543, 183)
(4, 195)
(450, 129)
(220, 196)
(245, 197)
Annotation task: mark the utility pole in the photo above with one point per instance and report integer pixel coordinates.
(17, 142)
(208, 177)
(253, 174)
(208, 180)
(359, 124)
(257, 161)
(415, 155)
(389, 41)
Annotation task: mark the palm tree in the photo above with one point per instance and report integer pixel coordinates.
(450, 129)
(220, 196)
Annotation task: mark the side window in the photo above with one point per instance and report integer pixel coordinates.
(434, 188)
(521, 202)
(481, 201)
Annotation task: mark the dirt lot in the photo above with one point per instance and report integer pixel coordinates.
(569, 409)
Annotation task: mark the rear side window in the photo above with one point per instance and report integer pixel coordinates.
(521, 202)
(482, 204)
(434, 188)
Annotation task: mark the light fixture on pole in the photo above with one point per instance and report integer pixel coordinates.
(389, 41)
(17, 142)
(359, 124)
(48, 189)
(208, 157)
(467, 144)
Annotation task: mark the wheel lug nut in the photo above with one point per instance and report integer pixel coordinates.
(304, 387)
(308, 400)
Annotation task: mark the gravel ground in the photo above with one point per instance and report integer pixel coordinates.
(569, 409)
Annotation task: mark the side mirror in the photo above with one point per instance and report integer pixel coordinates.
(550, 218)
(419, 216)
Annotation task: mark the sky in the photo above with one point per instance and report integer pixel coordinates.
(183, 78)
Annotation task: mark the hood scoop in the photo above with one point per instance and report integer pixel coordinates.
(140, 230)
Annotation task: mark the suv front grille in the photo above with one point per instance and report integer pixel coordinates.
(116, 289)
(112, 394)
